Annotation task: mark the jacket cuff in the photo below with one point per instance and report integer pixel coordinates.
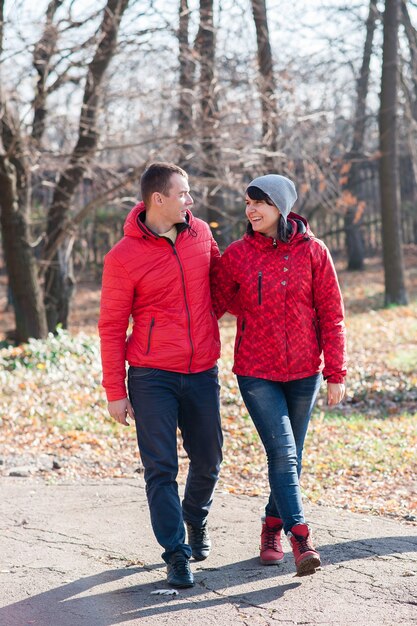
(335, 378)
(116, 394)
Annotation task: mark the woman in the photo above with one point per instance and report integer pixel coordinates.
(290, 333)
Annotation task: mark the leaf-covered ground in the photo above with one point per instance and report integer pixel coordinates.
(362, 456)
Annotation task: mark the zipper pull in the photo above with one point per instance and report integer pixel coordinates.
(260, 288)
(274, 243)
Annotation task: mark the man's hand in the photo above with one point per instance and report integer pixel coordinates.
(335, 393)
(119, 409)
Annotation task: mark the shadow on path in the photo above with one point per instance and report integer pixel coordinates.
(63, 606)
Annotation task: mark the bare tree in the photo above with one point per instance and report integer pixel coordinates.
(353, 217)
(17, 154)
(58, 277)
(19, 257)
(267, 85)
(227, 129)
(43, 52)
(210, 165)
(186, 133)
(411, 34)
(395, 290)
(410, 87)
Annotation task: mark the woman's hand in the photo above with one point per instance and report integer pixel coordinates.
(335, 393)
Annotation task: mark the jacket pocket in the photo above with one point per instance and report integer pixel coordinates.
(317, 332)
(215, 327)
(242, 330)
(151, 327)
(260, 288)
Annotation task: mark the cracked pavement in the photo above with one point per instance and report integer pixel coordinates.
(83, 554)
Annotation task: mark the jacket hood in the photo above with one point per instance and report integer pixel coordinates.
(299, 218)
(134, 225)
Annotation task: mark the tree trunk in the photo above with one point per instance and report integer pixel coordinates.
(20, 261)
(267, 86)
(363, 81)
(42, 54)
(186, 82)
(411, 92)
(355, 247)
(59, 281)
(210, 141)
(1, 24)
(395, 291)
(411, 34)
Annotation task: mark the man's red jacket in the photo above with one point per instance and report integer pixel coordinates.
(290, 311)
(166, 290)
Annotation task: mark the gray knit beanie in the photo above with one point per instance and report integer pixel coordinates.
(279, 189)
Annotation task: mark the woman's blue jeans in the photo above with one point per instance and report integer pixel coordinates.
(162, 402)
(281, 413)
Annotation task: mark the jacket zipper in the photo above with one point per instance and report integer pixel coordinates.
(186, 305)
(150, 334)
(260, 288)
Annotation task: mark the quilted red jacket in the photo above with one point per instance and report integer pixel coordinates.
(291, 318)
(166, 290)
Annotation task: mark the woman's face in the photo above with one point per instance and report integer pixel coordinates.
(262, 216)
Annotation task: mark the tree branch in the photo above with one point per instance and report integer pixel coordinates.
(44, 50)
(87, 134)
(70, 226)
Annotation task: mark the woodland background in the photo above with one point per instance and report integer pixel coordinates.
(324, 92)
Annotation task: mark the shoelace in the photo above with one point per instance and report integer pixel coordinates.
(180, 564)
(270, 538)
(199, 534)
(304, 543)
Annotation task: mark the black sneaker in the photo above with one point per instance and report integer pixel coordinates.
(199, 540)
(178, 571)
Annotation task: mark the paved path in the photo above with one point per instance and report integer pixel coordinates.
(84, 555)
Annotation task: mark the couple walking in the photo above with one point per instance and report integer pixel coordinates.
(167, 277)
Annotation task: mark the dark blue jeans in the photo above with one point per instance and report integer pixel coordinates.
(281, 413)
(163, 401)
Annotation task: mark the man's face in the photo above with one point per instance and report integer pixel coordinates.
(174, 205)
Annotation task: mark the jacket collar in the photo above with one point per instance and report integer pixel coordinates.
(299, 230)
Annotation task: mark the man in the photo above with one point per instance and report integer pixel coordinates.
(158, 273)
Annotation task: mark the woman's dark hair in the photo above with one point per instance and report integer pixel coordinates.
(283, 230)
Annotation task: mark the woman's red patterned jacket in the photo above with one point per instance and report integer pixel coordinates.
(291, 316)
(166, 290)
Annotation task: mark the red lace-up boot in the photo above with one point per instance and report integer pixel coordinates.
(271, 549)
(307, 559)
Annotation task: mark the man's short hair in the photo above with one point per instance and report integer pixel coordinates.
(157, 178)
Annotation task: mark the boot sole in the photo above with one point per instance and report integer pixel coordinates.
(308, 566)
(180, 585)
(200, 557)
(269, 562)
